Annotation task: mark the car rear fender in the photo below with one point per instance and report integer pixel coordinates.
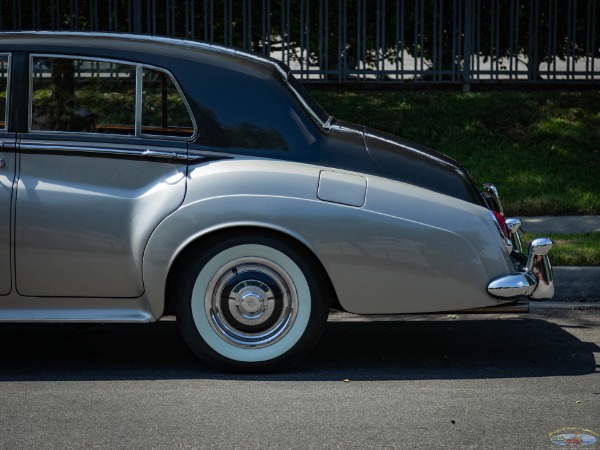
(406, 249)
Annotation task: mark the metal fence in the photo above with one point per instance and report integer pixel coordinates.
(371, 41)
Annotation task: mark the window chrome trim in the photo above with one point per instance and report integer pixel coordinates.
(138, 89)
(183, 97)
(8, 91)
(137, 125)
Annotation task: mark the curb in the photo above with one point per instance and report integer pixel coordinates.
(564, 305)
(571, 283)
(576, 282)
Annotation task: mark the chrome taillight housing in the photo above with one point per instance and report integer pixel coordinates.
(507, 233)
(508, 244)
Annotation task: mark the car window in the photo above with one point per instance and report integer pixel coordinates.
(255, 115)
(82, 95)
(4, 71)
(163, 109)
(97, 96)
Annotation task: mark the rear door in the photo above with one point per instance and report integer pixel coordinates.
(102, 163)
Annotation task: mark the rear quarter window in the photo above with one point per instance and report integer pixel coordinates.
(248, 113)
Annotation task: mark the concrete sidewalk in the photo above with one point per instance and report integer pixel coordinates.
(560, 224)
(570, 282)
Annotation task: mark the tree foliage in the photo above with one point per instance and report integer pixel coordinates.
(342, 35)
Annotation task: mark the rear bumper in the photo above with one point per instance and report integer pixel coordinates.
(534, 280)
(534, 277)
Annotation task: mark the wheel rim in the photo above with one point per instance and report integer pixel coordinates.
(251, 302)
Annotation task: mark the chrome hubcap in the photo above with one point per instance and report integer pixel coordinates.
(251, 302)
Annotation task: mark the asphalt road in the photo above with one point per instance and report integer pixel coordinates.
(493, 381)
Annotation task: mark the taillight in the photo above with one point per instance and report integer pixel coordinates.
(500, 218)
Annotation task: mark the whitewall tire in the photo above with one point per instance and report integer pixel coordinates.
(252, 303)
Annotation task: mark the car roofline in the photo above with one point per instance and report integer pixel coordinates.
(217, 48)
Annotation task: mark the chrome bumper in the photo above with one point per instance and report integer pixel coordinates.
(536, 279)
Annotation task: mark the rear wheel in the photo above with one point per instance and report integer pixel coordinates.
(252, 303)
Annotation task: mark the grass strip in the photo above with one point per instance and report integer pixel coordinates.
(541, 148)
(571, 249)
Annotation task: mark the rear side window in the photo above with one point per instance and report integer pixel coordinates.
(4, 72)
(163, 109)
(83, 96)
(111, 97)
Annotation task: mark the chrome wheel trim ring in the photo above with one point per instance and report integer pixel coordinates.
(250, 355)
(251, 302)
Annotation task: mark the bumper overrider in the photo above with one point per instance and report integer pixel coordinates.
(534, 277)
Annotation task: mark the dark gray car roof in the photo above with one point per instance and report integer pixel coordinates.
(71, 42)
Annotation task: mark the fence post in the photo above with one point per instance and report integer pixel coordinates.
(468, 40)
(137, 16)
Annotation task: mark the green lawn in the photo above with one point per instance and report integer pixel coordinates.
(571, 249)
(541, 148)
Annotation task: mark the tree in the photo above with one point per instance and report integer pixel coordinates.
(343, 35)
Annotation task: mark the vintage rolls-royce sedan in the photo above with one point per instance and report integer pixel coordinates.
(144, 176)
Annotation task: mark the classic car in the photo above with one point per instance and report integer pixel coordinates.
(145, 176)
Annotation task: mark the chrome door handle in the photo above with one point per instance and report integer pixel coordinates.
(160, 154)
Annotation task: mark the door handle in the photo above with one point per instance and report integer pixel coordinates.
(164, 155)
(2, 163)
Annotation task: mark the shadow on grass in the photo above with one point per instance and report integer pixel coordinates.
(407, 349)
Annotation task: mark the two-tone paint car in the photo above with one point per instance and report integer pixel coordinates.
(145, 176)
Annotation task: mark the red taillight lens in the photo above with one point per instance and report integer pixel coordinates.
(500, 218)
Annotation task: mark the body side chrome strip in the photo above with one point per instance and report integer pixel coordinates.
(94, 151)
(103, 152)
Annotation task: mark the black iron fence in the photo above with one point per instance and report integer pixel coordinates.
(376, 41)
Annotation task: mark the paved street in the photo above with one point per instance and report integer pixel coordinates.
(494, 381)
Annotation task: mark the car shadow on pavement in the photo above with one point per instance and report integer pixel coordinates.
(423, 347)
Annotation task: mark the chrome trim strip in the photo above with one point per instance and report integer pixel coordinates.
(183, 97)
(508, 244)
(161, 154)
(138, 101)
(29, 95)
(493, 191)
(307, 108)
(404, 145)
(146, 153)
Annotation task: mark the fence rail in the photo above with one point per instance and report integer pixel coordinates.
(371, 41)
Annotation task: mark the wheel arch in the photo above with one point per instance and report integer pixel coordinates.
(207, 238)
